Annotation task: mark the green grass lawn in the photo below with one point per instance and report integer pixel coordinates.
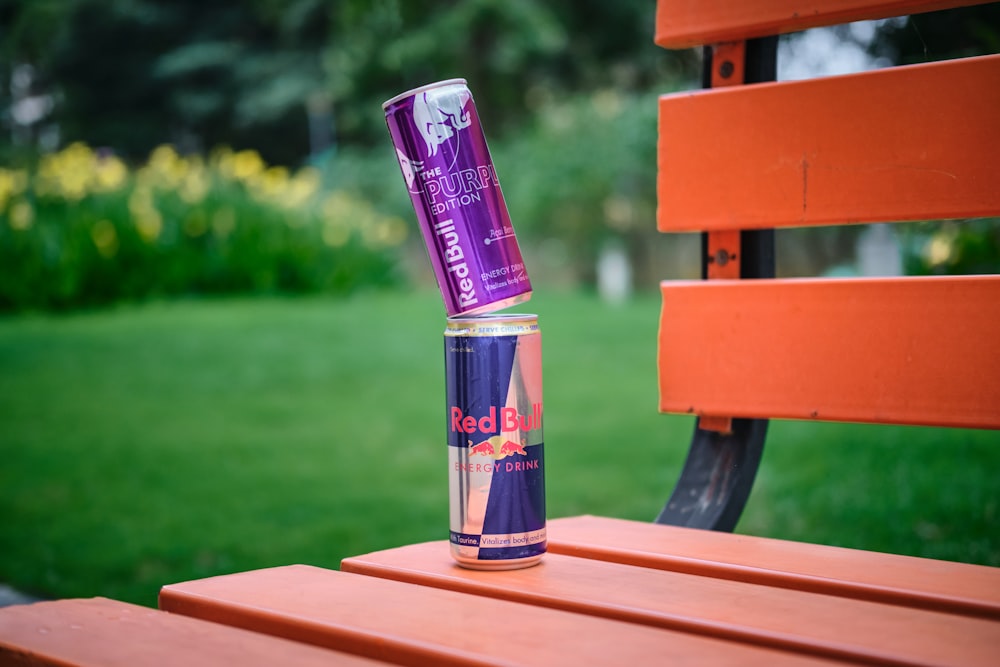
(150, 444)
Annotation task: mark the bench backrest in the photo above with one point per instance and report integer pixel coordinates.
(904, 143)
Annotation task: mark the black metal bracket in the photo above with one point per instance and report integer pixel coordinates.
(720, 469)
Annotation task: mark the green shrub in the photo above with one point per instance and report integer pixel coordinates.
(584, 173)
(81, 228)
(952, 247)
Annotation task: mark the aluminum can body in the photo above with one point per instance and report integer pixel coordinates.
(496, 461)
(456, 195)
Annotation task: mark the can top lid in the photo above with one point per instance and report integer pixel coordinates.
(420, 89)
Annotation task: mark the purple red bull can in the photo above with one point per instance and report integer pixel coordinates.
(496, 462)
(456, 195)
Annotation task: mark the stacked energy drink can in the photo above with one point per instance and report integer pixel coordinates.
(493, 382)
(456, 195)
(493, 363)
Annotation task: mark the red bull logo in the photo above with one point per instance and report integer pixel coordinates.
(496, 447)
(485, 448)
(438, 116)
(510, 448)
(508, 419)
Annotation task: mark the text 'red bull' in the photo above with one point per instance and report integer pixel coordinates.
(455, 260)
(510, 420)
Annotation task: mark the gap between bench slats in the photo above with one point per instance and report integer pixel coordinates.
(106, 633)
(811, 623)
(685, 23)
(905, 143)
(892, 350)
(419, 625)
(960, 588)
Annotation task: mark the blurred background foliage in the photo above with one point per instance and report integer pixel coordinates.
(83, 228)
(153, 149)
(133, 74)
(566, 90)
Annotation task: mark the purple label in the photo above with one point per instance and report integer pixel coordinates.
(456, 195)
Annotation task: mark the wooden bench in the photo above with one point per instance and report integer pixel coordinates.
(735, 349)
(623, 592)
(905, 143)
(611, 592)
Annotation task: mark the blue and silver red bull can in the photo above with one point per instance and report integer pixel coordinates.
(496, 463)
(456, 195)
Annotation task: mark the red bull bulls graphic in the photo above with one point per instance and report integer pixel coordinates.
(456, 195)
(496, 462)
(492, 448)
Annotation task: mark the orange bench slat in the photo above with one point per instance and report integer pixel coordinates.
(419, 625)
(922, 351)
(106, 633)
(811, 623)
(685, 23)
(924, 583)
(905, 143)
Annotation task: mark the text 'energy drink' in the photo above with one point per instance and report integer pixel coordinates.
(496, 463)
(456, 195)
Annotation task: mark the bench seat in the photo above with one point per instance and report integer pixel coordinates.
(623, 592)
(99, 632)
(415, 624)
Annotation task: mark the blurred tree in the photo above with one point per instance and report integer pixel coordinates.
(929, 247)
(516, 54)
(130, 74)
(955, 247)
(291, 76)
(953, 33)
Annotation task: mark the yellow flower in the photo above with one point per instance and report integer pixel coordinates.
(221, 159)
(149, 224)
(166, 167)
(195, 185)
(298, 193)
(163, 158)
(336, 233)
(337, 205)
(110, 174)
(273, 183)
(141, 200)
(247, 164)
(393, 232)
(68, 172)
(940, 249)
(147, 220)
(76, 171)
(73, 184)
(6, 187)
(12, 183)
(145, 177)
(22, 216)
(305, 184)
